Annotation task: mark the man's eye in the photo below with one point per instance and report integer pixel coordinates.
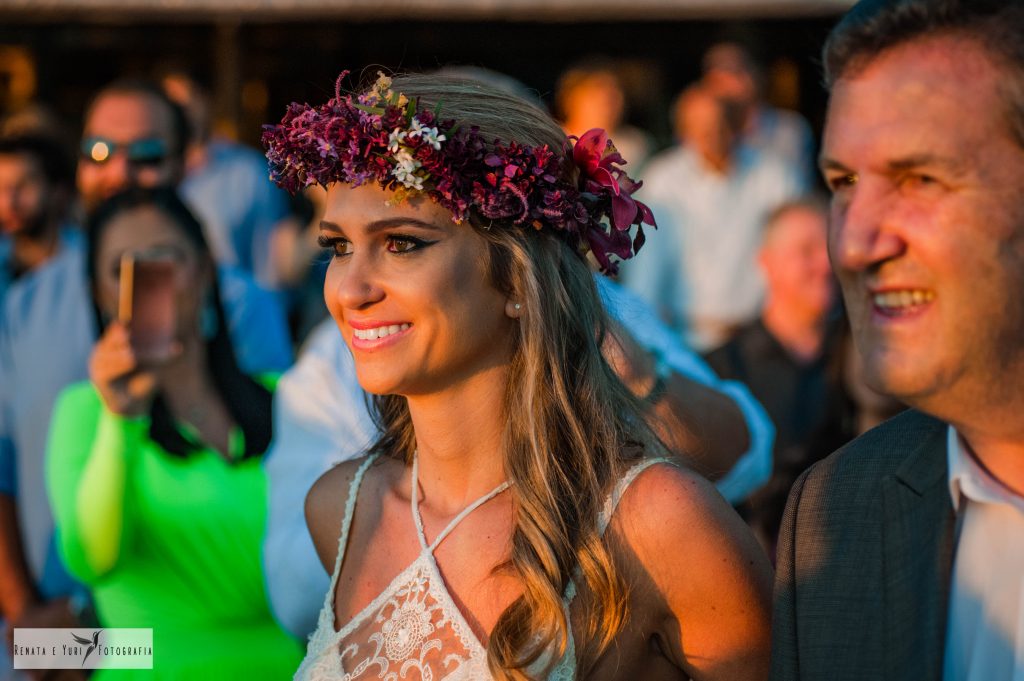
(839, 182)
(919, 180)
(337, 244)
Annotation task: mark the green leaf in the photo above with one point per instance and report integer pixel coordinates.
(369, 109)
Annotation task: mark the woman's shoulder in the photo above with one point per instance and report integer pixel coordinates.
(699, 568)
(680, 530)
(77, 401)
(81, 393)
(659, 496)
(328, 500)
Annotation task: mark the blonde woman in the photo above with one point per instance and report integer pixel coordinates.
(515, 520)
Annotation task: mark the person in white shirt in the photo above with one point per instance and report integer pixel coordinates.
(902, 555)
(712, 195)
(732, 74)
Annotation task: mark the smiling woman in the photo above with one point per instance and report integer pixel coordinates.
(471, 542)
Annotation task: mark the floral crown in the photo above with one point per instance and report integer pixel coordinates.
(385, 137)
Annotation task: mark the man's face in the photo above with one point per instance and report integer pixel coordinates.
(127, 141)
(927, 225)
(794, 261)
(704, 127)
(24, 195)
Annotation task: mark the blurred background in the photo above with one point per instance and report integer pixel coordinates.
(255, 56)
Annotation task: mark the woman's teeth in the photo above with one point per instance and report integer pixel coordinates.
(379, 332)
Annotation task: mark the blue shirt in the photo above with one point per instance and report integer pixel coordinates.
(233, 197)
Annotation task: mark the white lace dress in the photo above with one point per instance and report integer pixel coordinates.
(414, 630)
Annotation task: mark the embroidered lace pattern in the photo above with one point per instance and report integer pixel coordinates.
(414, 630)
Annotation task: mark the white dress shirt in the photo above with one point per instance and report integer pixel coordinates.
(985, 627)
(699, 269)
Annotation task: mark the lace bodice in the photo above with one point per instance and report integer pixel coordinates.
(414, 630)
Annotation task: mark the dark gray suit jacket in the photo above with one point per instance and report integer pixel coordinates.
(864, 560)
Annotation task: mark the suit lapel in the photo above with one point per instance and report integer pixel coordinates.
(918, 545)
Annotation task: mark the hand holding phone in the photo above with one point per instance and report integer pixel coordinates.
(125, 387)
(148, 305)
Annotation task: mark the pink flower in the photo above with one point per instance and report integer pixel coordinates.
(598, 160)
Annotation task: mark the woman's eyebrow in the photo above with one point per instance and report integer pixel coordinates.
(387, 223)
(391, 223)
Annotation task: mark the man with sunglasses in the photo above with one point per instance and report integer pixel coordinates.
(133, 136)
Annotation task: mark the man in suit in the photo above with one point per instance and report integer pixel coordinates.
(902, 555)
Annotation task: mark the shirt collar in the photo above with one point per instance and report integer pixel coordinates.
(969, 480)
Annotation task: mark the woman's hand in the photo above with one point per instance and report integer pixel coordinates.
(125, 388)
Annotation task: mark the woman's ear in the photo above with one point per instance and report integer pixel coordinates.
(513, 309)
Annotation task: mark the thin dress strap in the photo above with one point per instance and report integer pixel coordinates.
(612, 502)
(605, 517)
(455, 521)
(346, 522)
(565, 669)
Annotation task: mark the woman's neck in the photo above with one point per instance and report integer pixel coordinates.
(459, 441)
(193, 398)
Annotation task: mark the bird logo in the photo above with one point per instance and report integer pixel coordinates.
(93, 644)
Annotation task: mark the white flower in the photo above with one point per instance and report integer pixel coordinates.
(428, 134)
(416, 129)
(405, 170)
(395, 140)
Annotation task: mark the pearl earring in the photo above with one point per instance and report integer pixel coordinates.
(517, 307)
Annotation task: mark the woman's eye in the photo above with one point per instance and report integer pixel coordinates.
(406, 244)
(337, 244)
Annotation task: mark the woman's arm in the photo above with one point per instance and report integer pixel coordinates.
(94, 431)
(708, 577)
(87, 465)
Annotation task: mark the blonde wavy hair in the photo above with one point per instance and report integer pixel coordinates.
(572, 427)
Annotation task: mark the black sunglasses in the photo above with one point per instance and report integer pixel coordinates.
(145, 152)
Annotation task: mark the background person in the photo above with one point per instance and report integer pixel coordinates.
(226, 185)
(39, 273)
(731, 73)
(153, 467)
(133, 136)
(589, 95)
(711, 194)
(785, 356)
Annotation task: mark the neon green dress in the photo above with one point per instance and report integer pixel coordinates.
(165, 542)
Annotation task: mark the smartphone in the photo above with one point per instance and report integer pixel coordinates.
(148, 305)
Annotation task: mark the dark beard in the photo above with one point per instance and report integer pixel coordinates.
(35, 228)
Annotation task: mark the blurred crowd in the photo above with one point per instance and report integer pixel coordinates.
(160, 519)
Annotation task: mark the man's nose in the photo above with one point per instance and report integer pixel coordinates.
(119, 173)
(864, 228)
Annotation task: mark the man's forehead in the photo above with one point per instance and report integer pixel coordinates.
(905, 101)
(124, 116)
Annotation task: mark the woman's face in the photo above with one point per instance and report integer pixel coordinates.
(411, 294)
(148, 232)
